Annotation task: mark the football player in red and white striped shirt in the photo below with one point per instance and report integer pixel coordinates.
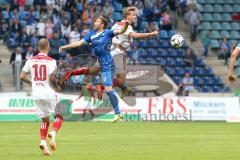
(42, 70)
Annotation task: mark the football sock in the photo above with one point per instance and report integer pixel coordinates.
(44, 130)
(114, 101)
(80, 71)
(57, 123)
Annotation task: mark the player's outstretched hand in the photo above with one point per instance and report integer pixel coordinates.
(61, 49)
(231, 78)
(155, 34)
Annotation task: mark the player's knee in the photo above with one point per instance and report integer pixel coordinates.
(45, 119)
(108, 88)
(58, 116)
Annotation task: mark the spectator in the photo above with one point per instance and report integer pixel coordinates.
(157, 9)
(39, 2)
(152, 27)
(74, 35)
(206, 40)
(54, 44)
(165, 21)
(189, 57)
(187, 84)
(180, 91)
(65, 29)
(225, 50)
(30, 20)
(194, 20)
(21, 2)
(49, 28)
(15, 26)
(85, 30)
(30, 53)
(14, 14)
(41, 28)
(108, 10)
(16, 57)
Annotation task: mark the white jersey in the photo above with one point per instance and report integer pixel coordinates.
(40, 67)
(124, 40)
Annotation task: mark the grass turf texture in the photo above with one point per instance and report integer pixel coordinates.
(125, 141)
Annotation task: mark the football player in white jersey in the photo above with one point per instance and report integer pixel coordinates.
(42, 70)
(233, 58)
(120, 45)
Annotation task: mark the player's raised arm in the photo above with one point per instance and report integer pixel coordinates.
(72, 45)
(123, 30)
(144, 35)
(233, 57)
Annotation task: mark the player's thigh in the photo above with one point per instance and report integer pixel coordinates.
(44, 107)
(120, 63)
(107, 78)
(95, 69)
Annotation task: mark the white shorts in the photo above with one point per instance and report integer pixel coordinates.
(45, 107)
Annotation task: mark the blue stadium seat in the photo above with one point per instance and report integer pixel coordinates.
(180, 62)
(236, 8)
(234, 35)
(226, 17)
(171, 52)
(217, 17)
(200, 1)
(209, 1)
(236, 1)
(179, 71)
(218, 1)
(224, 34)
(217, 89)
(205, 26)
(217, 8)
(180, 53)
(154, 53)
(161, 52)
(226, 26)
(207, 17)
(199, 62)
(198, 71)
(161, 61)
(208, 71)
(152, 43)
(197, 81)
(170, 61)
(216, 26)
(227, 8)
(214, 44)
(207, 8)
(141, 52)
(208, 80)
(188, 70)
(171, 33)
(163, 34)
(217, 80)
(235, 26)
(144, 24)
(206, 89)
(150, 60)
(177, 79)
(170, 71)
(215, 35)
(228, 1)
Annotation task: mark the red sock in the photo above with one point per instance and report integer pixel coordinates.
(44, 130)
(80, 71)
(57, 123)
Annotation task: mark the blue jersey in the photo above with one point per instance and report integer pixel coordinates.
(101, 43)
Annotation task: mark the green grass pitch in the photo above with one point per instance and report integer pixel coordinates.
(125, 141)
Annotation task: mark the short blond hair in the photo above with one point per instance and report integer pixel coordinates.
(43, 44)
(126, 10)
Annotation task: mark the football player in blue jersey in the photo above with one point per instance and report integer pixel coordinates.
(101, 39)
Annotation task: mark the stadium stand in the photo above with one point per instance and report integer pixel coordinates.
(23, 24)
